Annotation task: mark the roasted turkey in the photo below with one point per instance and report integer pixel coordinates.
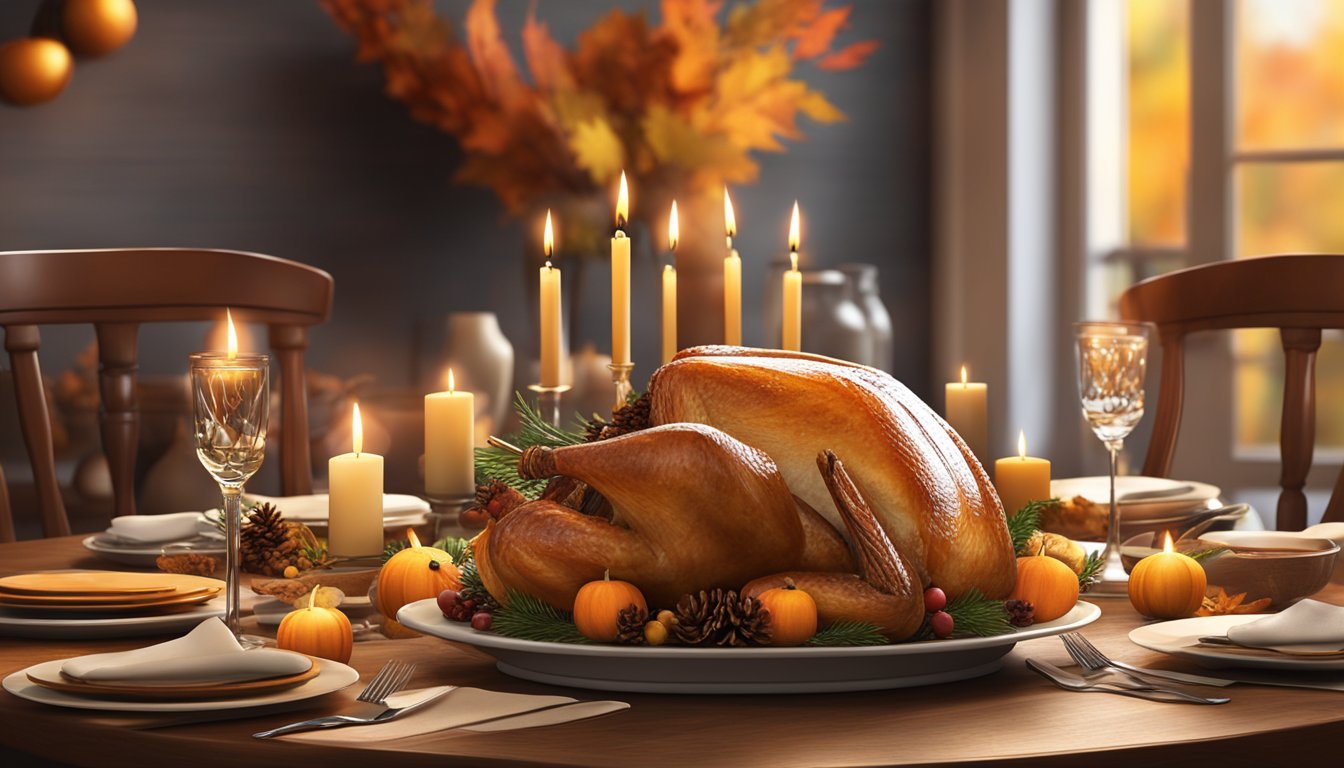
(692, 509)
(927, 490)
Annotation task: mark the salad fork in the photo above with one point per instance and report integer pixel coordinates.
(372, 700)
(1090, 658)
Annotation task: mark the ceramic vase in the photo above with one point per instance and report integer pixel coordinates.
(482, 361)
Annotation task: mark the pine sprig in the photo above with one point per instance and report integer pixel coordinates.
(848, 633)
(498, 464)
(528, 618)
(1199, 556)
(974, 614)
(1091, 572)
(1027, 521)
(457, 548)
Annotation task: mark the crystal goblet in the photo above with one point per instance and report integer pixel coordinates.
(231, 399)
(1112, 363)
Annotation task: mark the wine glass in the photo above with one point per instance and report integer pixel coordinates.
(1112, 361)
(231, 398)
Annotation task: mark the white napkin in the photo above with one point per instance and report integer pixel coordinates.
(313, 507)
(555, 716)
(1308, 626)
(209, 653)
(153, 528)
(461, 708)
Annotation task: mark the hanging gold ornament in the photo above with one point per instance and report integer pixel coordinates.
(33, 70)
(97, 27)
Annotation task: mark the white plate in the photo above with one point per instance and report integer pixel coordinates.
(1098, 491)
(672, 669)
(99, 627)
(1181, 638)
(331, 677)
(144, 555)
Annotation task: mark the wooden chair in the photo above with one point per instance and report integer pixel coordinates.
(116, 290)
(1299, 295)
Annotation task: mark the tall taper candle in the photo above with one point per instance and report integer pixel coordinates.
(670, 290)
(732, 279)
(551, 324)
(792, 336)
(620, 280)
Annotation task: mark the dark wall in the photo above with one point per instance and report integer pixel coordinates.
(246, 124)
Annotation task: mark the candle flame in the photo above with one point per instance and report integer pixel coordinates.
(548, 238)
(450, 380)
(357, 431)
(795, 239)
(963, 377)
(233, 335)
(622, 204)
(673, 229)
(412, 538)
(1022, 444)
(729, 220)
(1167, 545)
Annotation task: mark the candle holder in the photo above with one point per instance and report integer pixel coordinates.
(445, 516)
(620, 376)
(231, 400)
(548, 401)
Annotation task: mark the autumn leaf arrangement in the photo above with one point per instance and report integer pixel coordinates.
(683, 105)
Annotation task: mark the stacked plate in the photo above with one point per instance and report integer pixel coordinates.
(399, 510)
(79, 604)
(1146, 504)
(138, 540)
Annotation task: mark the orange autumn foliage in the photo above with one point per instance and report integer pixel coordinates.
(679, 104)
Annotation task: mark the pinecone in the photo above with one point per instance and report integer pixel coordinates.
(498, 499)
(722, 618)
(631, 417)
(630, 625)
(1020, 613)
(270, 544)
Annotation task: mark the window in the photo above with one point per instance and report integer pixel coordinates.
(1285, 152)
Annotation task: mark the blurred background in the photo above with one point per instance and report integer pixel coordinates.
(1006, 168)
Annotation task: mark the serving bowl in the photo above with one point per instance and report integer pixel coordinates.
(1280, 565)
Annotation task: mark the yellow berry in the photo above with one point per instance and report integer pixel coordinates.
(655, 633)
(291, 572)
(667, 619)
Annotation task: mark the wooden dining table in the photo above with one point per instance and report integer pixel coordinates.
(1010, 717)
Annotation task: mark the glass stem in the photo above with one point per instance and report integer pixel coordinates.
(1114, 570)
(233, 526)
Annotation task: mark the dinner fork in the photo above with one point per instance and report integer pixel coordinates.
(1132, 688)
(1089, 657)
(372, 702)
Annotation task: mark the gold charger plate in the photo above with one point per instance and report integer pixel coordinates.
(56, 681)
(173, 601)
(101, 583)
(8, 598)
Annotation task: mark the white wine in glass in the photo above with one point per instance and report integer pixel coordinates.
(1112, 363)
(231, 402)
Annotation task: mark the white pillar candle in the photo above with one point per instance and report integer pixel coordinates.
(670, 290)
(967, 411)
(355, 519)
(1021, 478)
(620, 280)
(450, 443)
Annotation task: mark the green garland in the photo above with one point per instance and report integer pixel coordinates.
(528, 618)
(848, 633)
(1023, 525)
(498, 464)
(975, 615)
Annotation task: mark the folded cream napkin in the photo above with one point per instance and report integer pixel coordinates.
(463, 708)
(1308, 626)
(209, 653)
(313, 507)
(155, 528)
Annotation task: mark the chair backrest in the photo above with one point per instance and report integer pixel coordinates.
(1298, 294)
(116, 290)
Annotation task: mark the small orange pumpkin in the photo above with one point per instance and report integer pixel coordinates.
(1167, 585)
(1048, 584)
(415, 573)
(316, 631)
(598, 603)
(793, 614)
